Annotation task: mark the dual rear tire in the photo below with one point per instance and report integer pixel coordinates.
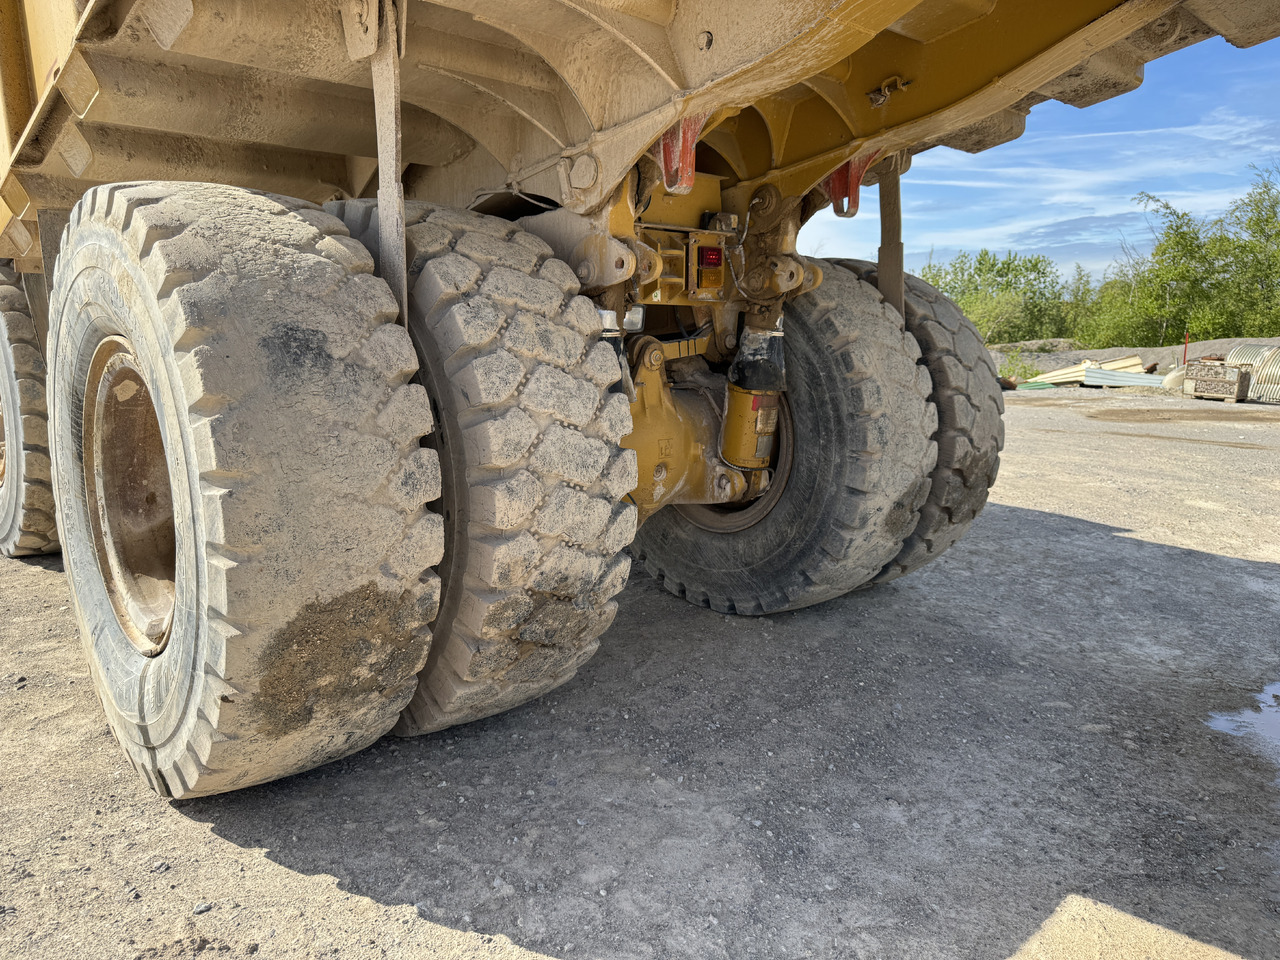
(255, 518)
(291, 525)
(891, 438)
(241, 487)
(27, 523)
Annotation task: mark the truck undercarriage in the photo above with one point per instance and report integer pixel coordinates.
(358, 340)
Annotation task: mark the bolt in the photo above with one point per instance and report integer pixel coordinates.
(722, 485)
(655, 357)
(584, 270)
(660, 472)
(584, 172)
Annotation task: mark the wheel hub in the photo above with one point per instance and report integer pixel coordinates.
(129, 496)
(733, 517)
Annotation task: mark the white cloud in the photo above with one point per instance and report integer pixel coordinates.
(1067, 188)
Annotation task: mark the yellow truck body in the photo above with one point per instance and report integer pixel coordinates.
(551, 99)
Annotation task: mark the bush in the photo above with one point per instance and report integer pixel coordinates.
(1016, 366)
(1204, 278)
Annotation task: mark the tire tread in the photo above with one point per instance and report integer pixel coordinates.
(970, 432)
(198, 246)
(507, 330)
(27, 524)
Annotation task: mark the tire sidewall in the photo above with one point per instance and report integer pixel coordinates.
(760, 558)
(100, 291)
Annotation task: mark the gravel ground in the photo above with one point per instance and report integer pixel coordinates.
(926, 770)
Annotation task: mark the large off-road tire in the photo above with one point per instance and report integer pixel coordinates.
(241, 485)
(528, 432)
(27, 524)
(970, 433)
(855, 452)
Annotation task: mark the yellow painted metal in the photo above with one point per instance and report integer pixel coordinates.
(680, 282)
(16, 100)
(541, 98)
(750, 426)
(896, 93)
(692, 347)
(685, 210)
(19, 236)
(676, 439)
(51, 29)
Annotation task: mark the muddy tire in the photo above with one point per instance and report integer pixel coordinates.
(27, 524)
(970, 433)
(241, 486)
(854, 460)
(528, 434)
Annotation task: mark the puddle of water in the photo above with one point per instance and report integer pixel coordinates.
(1260, 724)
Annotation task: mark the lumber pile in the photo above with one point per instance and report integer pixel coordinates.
(1077, 374)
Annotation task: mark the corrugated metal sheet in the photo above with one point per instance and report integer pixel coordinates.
(1265, 385)
(1097, 377)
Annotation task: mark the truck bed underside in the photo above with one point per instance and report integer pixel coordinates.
(550, 99)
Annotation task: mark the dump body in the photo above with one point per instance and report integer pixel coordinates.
(549, 99)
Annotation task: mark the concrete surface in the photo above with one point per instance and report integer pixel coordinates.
(1003, 754)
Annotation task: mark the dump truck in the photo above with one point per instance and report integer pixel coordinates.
(353, 350)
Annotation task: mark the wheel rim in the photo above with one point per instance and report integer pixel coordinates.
(129, 496)
(733, 517)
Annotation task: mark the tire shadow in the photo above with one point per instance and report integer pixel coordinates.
(45, 561)
(922, 770)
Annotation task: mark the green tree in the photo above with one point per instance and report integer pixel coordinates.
(1204, 277)
(1009, 298)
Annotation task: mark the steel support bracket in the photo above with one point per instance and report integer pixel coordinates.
(891, 279)
(675, 152)
(843, 183)
(361, 20)
(381, 38)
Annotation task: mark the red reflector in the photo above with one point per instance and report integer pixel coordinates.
(709, 258)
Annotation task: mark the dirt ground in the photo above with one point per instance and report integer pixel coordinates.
(927, 770)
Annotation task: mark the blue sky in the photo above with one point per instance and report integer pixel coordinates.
(1066, 187)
